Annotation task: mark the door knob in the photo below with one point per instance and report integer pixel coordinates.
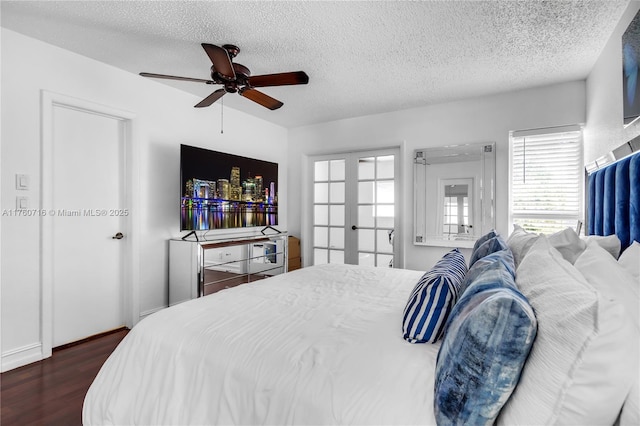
(118, 236)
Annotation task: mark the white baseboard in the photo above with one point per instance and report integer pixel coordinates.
(21, 356)
(27, 354)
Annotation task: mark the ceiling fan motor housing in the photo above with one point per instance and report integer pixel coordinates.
(231, 49)
(231, 85)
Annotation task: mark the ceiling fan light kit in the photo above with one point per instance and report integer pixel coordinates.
(236, 78)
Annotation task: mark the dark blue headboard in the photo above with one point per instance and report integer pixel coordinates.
(614, 200)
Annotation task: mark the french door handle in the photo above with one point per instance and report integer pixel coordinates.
(354, 227)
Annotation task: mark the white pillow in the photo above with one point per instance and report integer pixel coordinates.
(568, 243)
(610, 243)
(616, 286)
(631, 411)
(520, 241)
(604, 273)
(630, 260)
(578, 369)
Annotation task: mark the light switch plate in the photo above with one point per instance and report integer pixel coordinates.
(22, 203)
(22, 182)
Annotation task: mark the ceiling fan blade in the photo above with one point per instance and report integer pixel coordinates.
(173, 77)
(281, 79)
(211, 98)
(220, 60)
(260, 98)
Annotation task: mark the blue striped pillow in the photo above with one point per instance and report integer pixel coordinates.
(433, 298)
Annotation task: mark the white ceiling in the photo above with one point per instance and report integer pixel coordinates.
(361, 57)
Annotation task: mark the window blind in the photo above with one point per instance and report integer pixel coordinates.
(546, 180)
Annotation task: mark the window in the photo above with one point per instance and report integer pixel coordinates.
(546, 179)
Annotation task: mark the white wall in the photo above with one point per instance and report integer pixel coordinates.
(165, 118)
(604, 131)
(484, 119)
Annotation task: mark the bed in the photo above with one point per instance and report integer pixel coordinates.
(304, 347)
(532, 329)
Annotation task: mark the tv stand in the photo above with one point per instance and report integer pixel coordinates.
(198, 268)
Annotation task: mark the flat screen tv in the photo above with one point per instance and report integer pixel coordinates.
(630, 70)
(224, 191)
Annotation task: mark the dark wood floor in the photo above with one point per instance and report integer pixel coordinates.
(51, 392)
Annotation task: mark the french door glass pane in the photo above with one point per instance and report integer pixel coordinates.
(336, 215)
(366, 259)
(336, 256)
(385, 167)
(366, 240)
(384, 191)
(337, 168)
(336, 238)
(320, 236)
(320, 256)
(384, 260)
(366, 168)
(336, 192)
(321, 193)
(321, 171)
(365, 193)
(385, 215)
(383, 246)
(366, 217)
(320, 214)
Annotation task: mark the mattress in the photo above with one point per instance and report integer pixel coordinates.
(320, 345)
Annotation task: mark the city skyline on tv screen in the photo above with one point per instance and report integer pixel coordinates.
(221, 190)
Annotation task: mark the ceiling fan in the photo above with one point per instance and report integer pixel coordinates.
(237, 78)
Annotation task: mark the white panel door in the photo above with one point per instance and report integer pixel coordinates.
(354, 208)
(88, 177)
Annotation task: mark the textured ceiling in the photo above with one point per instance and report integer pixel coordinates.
(361, 57)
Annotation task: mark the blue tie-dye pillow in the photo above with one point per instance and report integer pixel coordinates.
(489, 334)
(500, 259)
(432, 298)
(483, 238)
(491, 245)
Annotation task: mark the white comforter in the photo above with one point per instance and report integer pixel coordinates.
(320, 345)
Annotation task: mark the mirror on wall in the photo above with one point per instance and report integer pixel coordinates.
(454, 194)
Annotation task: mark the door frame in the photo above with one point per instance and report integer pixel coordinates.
(308, 173)
(130, 252)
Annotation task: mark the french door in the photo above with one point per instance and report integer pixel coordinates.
(354, 208)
